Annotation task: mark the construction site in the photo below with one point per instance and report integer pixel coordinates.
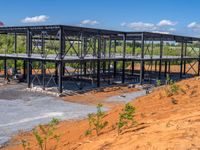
(70, 58)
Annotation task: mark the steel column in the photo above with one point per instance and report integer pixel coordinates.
(133, 54)
(142, 61)
(165, 68)
(115, 62)
(124, 56)
(169, 67)
(98, 61)
(60, 63)
(28, 51)
(181, 64)
(15, 49)
(161, 54)
(185, 54)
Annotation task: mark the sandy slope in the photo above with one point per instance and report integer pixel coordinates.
(162, 124)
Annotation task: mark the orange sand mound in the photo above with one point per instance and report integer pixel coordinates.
(163, 123)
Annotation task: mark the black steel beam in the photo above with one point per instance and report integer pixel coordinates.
(28, 51)
(142, 61)
(181, 63)
(15, 50)
(161, 55)
(98, 61)
(124, 55)
(60, 63)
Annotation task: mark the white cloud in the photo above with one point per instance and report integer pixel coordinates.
(89, 22)
(161, 32)
(35, 19)
(166, 23)
(194, 26)
(140, 26)
(162, 27)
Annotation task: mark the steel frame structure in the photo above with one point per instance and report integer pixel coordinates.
(95, 54)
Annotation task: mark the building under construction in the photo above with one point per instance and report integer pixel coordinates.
(69, 57)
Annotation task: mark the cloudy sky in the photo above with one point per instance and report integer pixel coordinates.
(168, 16)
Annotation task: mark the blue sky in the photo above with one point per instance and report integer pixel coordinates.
(169, 16)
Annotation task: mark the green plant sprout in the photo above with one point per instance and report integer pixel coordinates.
(125, 117)
(96, 121)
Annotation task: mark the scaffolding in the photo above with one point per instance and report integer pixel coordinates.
(59, 55)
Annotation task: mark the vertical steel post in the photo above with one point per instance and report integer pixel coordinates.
(15, 50)
(161, 54)
(142, 60)
(98, 61)
(165, 68)
(28, 51)
(84, 51)
(181, 64)
(110, 47)
(60, 63)
(56, 72)
(104, 53)
(169, 67)
(155, 66)
(185, 54)
(124, 57)
(133, 54)
(43, 62)
(115, 62)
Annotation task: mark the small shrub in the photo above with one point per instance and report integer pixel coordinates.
(158, 82)
(25, 144)
(96, 121)
(126, 116)
(169, 81)
(173, 89)
(88, 132)
(43, 134)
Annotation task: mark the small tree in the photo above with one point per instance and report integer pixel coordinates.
(45, 133)
(126, 117)
(96, 121)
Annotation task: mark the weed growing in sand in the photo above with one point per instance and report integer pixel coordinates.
(96, 121)
(25, 144)
(44, 133)
(173, 89)
(158, 82)
(169, 81)
(125, 117)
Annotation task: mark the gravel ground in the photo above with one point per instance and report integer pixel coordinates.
(22, 110)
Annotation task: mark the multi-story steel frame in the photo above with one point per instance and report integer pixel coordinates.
(91, 55)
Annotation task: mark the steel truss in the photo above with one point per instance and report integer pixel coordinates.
(54, 55)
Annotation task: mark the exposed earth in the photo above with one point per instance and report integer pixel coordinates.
(163, 122)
